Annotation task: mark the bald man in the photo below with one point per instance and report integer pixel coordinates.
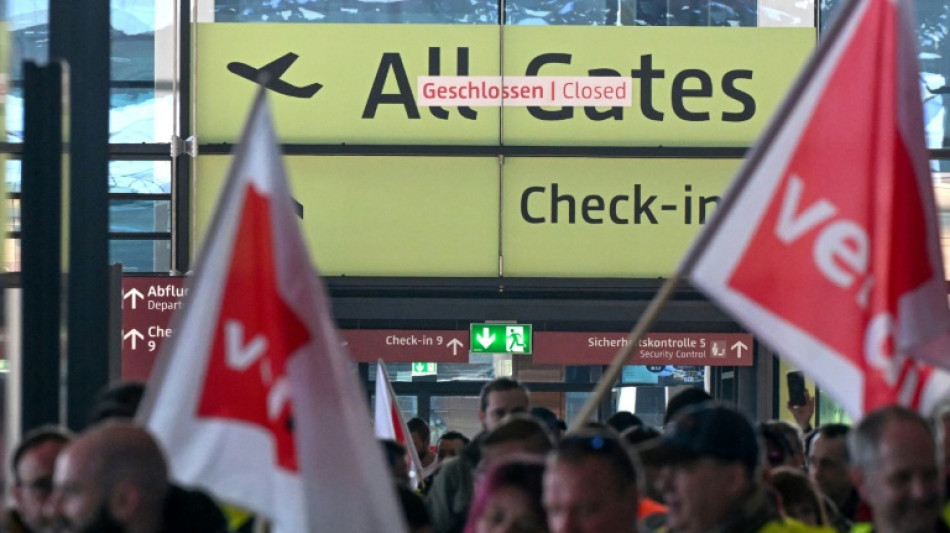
(114, 478)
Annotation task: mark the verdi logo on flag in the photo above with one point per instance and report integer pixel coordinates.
(243, 394)
(826, 245)
(249, 356)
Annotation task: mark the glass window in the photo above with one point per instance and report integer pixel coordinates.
(829, 411)
(141, 103)
(724, 13)
(144, 177)
(140, 216)
(153, 255)
(459, 413)
(481, 367)
(573, 403)
(358, 11)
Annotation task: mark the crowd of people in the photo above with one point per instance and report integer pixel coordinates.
(709, 469)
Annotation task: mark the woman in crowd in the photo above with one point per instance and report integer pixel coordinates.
(508, 499)
(799, 498)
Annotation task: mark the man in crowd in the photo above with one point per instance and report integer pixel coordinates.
(590, 485)
(421, 440)
(452, 488)
(517, 435)
(450, 444)
(895, 469)
(114, 478)
(828, 466)
(32, 465)
(709, 477)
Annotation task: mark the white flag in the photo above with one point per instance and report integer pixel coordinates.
(390, 424)
(254, 398)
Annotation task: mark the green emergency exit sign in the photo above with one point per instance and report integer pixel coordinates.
(423, 369)
(500, 338)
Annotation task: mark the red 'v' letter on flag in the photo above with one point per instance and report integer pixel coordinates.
(390, 424)
(254, 398)
(827, 246)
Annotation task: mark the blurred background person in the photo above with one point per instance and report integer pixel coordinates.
(798, 496)
(590, 484)
(450, 443)
(32, 465)
(508, 499)
(895, 469)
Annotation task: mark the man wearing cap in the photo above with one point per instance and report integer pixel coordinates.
(709, 477)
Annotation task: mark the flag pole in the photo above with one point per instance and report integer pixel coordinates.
(729, 198)
(633, 340)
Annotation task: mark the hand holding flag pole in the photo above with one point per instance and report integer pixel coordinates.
(826, 245)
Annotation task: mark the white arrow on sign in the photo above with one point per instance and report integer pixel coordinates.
(134, 333)
(134, 293)
(738, 347)
(455, 344)
(485, 338)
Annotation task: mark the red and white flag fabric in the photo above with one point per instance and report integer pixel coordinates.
(390, 424)
(254, 398)
(827, 244)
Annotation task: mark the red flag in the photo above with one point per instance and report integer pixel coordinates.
(390, 424)
(254, 398)
(827, 245)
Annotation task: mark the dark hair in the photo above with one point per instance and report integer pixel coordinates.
(592, 443)
(498, 385)
(455, 435)
(419, 427)
(828, 431)
(119, 400)
(623, 420)
(795, 487)
(777, 447)
(791, 433)
(521, 427)
(684, 398)
(639, 434)
(36, 437)
(548, 417)
(392, 451)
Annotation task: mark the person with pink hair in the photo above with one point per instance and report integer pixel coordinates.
(508, 499)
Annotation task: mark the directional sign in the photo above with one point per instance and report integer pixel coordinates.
(148, 304)
(679, 349)
(406, 345)
(500, 338)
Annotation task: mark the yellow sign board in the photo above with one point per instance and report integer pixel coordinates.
(582, 217)
(392, 216)
(358, 84)
(691, 86)
(468, 216)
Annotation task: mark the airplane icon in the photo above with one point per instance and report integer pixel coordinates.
(269, 76)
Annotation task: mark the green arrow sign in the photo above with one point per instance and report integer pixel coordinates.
(419, 368)
(500, 338)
